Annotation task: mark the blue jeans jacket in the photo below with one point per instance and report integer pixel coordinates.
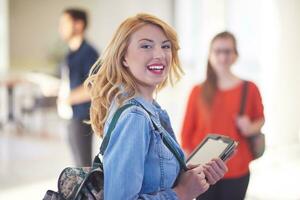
(137, 164)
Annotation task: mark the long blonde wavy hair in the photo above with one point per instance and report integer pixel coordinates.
(108, 73)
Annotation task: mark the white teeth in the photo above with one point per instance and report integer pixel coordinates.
(159, 67)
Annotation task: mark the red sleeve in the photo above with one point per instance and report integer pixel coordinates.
(189, 123)
(257, 108)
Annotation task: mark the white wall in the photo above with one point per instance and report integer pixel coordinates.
(284, 87)
(196, 23)
(33, 26)
(109, 14)
(3, 36)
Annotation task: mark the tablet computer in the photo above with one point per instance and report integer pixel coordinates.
(213, 146)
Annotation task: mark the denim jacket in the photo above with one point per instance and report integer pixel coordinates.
(137, 164)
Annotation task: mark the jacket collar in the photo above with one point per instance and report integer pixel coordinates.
(151, 107)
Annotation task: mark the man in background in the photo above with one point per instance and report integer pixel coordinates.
(75, 68)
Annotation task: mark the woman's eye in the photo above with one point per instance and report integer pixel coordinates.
(166, 46)
(146, 46)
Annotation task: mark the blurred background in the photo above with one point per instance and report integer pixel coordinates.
(33, 147)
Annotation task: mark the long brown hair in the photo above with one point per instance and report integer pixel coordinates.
(210, 84)
(104, 84)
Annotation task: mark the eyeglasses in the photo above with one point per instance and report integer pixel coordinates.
(226, 52)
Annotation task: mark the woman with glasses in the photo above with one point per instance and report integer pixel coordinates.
(213, 107)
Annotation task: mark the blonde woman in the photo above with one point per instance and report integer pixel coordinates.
(140, 59)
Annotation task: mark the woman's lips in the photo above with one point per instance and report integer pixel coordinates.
(156, 68)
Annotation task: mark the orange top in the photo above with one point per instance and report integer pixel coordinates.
(221, 119)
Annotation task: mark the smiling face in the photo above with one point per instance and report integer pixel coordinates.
(223, 54)
(148, 56)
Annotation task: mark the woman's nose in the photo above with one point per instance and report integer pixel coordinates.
(159, 53)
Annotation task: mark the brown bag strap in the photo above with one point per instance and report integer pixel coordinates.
(243, 98)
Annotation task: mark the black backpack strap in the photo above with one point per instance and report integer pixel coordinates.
(243, 98)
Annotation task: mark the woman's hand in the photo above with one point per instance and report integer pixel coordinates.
(245, 125)
(191, 183)
(215, 170)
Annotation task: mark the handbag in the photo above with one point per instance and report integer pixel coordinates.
(87, 183)
(257, 141)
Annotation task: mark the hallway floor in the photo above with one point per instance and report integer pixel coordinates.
(31, 165)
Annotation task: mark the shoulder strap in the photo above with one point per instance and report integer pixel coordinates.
(170, 146)
(112, 126)
(243, 98)
(97, 162)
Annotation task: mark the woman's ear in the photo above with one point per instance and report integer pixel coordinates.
(125, 63)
